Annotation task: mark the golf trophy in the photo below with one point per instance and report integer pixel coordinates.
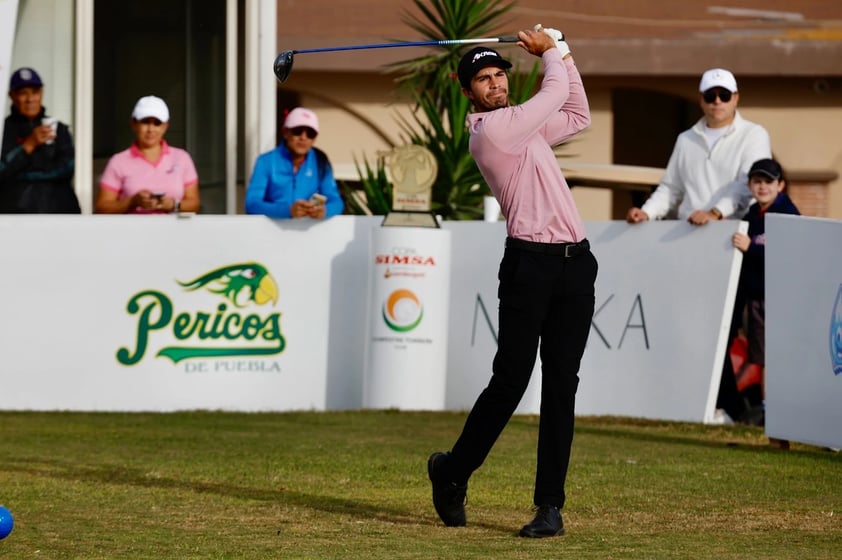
(412, 170)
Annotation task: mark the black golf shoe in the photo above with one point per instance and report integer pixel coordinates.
(547, 523)
(448, 497)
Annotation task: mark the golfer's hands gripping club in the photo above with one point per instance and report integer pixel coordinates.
(535, 42)
(557, 36)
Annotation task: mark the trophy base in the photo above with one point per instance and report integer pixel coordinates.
(410, 218)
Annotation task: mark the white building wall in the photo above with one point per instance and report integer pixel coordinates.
(44, 41)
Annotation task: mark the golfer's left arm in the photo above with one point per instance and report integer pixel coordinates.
(575, 114)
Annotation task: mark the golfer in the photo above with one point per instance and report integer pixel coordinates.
(547, 274)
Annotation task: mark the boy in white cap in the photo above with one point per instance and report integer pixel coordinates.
(294, 180)
(705, 178)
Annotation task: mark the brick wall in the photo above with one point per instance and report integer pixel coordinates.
(809, 190)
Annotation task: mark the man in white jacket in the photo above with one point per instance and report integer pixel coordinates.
(706, 177)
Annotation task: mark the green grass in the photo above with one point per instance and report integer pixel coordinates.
(207, 485)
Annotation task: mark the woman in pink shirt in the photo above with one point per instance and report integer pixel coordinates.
(150, 177)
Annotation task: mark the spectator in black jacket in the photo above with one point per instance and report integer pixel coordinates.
(36, 161)
(766, 182)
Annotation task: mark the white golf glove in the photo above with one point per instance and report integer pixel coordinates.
(557, 36)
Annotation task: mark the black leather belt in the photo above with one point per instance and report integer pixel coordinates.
(566, 250)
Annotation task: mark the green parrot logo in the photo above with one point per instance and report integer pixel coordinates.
(239, 283)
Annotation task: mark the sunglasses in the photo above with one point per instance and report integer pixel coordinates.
(710, 95)
(299, 130)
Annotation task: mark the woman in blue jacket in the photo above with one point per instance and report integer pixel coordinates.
(295, 180)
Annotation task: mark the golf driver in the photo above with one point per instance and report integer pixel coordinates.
(283, 62)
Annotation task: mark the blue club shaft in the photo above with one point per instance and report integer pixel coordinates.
(436, 43)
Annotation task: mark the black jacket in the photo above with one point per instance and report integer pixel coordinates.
(40, 182)
(752, 273)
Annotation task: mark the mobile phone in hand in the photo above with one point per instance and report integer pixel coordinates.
(158, 196)
(318, 199)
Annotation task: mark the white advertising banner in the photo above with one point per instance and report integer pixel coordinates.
(804, 329)
(664, 297)
(477, 251)
(163, 313)
(246, 313)
(406, 366)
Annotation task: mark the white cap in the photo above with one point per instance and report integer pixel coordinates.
(151, 106)
(718, 77)
(302, 117)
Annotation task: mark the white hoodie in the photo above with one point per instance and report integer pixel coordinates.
(700, 178)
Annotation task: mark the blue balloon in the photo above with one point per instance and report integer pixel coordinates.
(6, 522)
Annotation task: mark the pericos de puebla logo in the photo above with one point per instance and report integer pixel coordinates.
(236, 328)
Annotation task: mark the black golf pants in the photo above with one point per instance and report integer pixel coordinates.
(545, 299)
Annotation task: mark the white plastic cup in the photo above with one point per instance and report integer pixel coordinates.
(52, 122)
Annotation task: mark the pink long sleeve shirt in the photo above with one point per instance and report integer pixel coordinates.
(513, 147)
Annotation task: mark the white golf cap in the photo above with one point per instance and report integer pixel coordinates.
(718, 77)
(302, 117)
(151, 106)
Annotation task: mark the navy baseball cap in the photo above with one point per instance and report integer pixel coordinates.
(475, 60)
(25, 77)
(768, 168)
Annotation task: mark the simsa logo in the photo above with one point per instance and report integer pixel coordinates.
(235, 328)
(404, 261)
(402, 310)
(404, 256)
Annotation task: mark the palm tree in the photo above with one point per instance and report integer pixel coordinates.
(438, 122)
(446, 19)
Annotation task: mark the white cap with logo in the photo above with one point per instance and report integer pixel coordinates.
(718, 77)
(151, 106)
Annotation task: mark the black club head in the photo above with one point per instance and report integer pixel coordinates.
(283, 65)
